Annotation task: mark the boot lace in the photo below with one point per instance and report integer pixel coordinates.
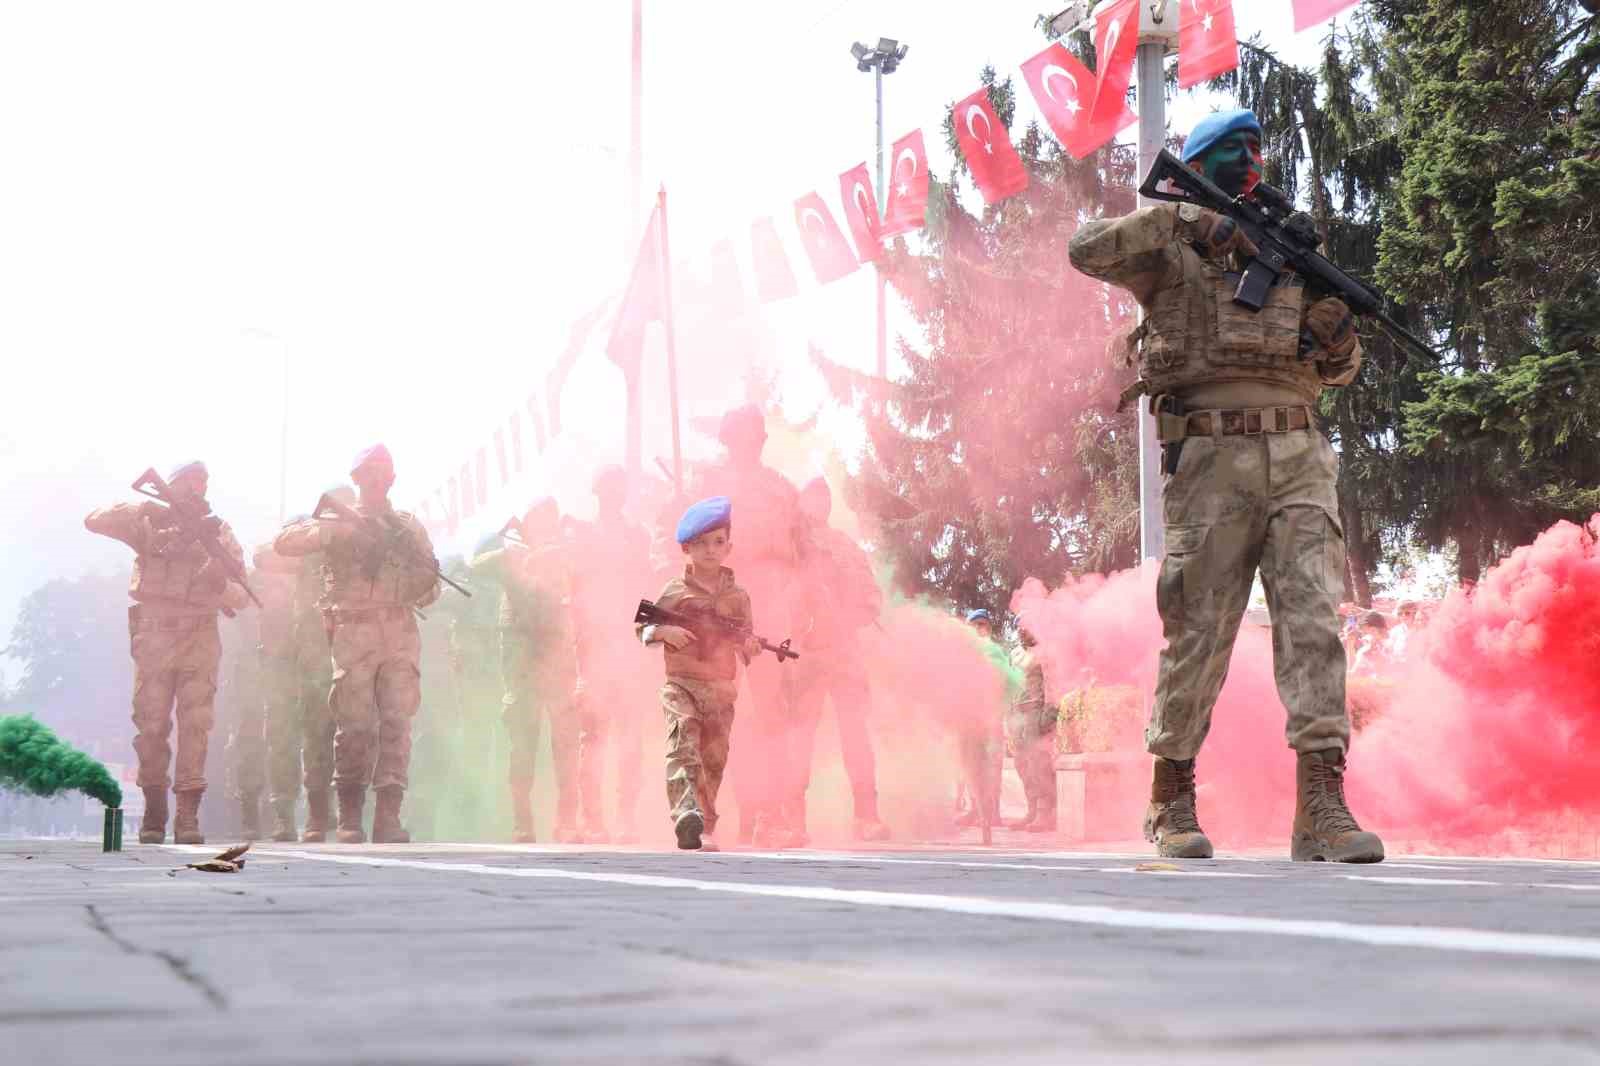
(1327, 801)
(1177, 793)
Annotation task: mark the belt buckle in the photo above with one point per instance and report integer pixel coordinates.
(1280, 418)
(1253, 416)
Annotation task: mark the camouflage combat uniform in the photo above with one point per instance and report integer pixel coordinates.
(296, 672)
(172, 628)
(1254, 484)
(369, 591)
(1031, 729)
(698, 697)
(538, 665)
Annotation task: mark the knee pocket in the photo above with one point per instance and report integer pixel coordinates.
(1180, 589)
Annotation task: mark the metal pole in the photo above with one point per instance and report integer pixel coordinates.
(1152, 137)
(883, 284)
(636, 132)
(283, 447)
(672, 345)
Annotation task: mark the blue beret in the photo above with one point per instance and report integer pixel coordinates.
(193, 466)
(715, 512)
(980, 615)
(375, 454)
(1214, 127)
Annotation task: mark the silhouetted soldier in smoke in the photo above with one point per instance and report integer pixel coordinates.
(1031, 728)
(538, 663)
(374, 576)
(979, 747)
(611, 564)
(177, 588)
(842, 598)
(1250, 485)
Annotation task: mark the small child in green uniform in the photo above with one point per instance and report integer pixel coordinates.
(702, 672)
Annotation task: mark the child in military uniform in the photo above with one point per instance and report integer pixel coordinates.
(702, 671)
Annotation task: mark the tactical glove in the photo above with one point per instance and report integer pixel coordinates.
(1333, 329)
(1217, 236)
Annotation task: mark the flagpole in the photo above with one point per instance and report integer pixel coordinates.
(672, 344)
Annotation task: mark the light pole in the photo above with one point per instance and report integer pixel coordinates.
(881, 60)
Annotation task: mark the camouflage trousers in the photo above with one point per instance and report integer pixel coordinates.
(699, 718)
(299, 724)
(609, 720)
(1235, 505)
(539, 695)
(843, 681)
(1032, 732)
(376, 691)
(174, 677)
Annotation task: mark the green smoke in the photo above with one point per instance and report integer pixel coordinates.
(35, 760)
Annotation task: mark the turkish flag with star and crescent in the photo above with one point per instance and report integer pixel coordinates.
(1064, 89)
(1116, 39)
(908, 186)
(830, 254)
(1207, 43)
(1308, 13)
(861, 212)
(985, 144)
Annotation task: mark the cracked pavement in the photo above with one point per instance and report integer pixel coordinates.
(458, 954)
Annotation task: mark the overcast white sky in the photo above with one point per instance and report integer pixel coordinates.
(408, 201)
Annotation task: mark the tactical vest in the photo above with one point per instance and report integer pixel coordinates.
(1194, 334)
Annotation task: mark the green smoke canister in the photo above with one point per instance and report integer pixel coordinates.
(111, 839)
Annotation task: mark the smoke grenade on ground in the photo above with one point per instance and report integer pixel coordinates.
(35, 760)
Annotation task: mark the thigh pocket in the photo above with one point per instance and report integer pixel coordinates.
(1176, 587)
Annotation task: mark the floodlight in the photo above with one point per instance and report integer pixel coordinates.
(887, 45)
(859, 50)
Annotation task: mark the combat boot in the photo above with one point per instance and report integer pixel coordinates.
(1026, 820)
(770, 834)
(521, 814)
(1324, 828)
(689, 829)
(153, 826)
(870, 830)
(386, 827)
(186, 823)
(283, 821)
(1171, 824)
(352, 799)
(250, 815)
(568, 834)
(316, 830)
(1044, 816)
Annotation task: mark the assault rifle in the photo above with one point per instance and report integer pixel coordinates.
(385, 531)
(706, 626)
(1285, 240)
(197, 525)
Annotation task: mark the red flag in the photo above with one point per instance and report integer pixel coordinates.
(1116, 39)
(986, 145)
(1308, 13)
(830, 255)
(861, 213)
(1064, 89)
(908, 186)
(641, 302)
(774, 279)
(1207, 43)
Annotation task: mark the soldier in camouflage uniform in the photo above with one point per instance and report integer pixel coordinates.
(1250, 485)
(296, 673)
(538, 663)
(375, 573)
(1031, 728)
(842, 599)
(177, 589)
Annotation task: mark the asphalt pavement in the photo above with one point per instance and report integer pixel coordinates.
(478, 954)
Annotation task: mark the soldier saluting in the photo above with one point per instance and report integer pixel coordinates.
(1250, 485)
(181, 578)
(378, 565)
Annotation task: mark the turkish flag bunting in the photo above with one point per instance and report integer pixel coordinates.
(1064, 89)
(1308, 13)
(861, 212)
(774, 279)
(908, 186)
(642, 303)
(830, 255)
(1207, 43)
(986, 146)
(1116, 38)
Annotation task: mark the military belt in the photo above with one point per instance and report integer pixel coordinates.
(337, 617)
(1246, 422)
(139, 620)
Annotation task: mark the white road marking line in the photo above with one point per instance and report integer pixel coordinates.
(1439, 938)
(1455, 881)
(1570, 888)
(823, 856)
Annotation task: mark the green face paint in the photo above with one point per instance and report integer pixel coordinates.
(1234, 163)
